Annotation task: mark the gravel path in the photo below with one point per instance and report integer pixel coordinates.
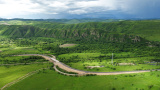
(67, 68)
(81, 72)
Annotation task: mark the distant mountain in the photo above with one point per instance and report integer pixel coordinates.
(66, 21)
(2, 19)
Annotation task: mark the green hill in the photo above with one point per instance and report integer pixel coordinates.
(113, 31)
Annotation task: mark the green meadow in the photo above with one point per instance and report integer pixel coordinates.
(51, 80)
(82, 60)
(13, 72)
(19, 50)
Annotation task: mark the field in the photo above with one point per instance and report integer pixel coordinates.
(13, 72)
(94, 59)
(67, 45)
(51, 80)
(19, 50)
(14, 67)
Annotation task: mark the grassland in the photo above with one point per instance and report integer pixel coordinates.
(21, 60)
(82, 60)
(67, 45)
(9, 47)
(82, 55)
(19, 50)
(11, 73)
(51, 80)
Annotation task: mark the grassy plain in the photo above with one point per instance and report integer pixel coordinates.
(51, 80)
(94, 59)
(81, 55)
(67, 45)
(19, 50)
(11, 73)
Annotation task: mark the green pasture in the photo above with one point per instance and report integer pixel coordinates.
(81, 55)
(97, 59)
(11, 73)
(92, 55)
(21, 59)
(112, 68)
(68, 45)
(19, 50)
(51, 80)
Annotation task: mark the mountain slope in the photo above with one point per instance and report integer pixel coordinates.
(131, 31)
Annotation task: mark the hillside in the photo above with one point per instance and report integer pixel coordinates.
(113, 31)
(78, 35)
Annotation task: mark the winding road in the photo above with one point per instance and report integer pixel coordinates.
(81, 72)
(67, 68)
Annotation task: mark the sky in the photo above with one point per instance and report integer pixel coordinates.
(69, 9)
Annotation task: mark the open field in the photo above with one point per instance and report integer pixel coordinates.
(11, 73)
(18, 50)
(21, 59)
(67, 45)
(83, 60)
(81, 55)
(111, 68)
(53, 81)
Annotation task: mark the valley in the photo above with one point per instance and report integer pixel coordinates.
(85, 47)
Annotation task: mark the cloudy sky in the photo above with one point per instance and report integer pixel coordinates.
(46, 9)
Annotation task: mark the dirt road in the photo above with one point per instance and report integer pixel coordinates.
(81, 72)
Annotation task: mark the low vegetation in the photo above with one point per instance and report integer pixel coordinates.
(53, 81)
(10, 73)
(135, 45)
(82, 60)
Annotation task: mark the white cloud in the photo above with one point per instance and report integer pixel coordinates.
(57, 4)
(97, 5)
(109, 4)
(1, 2)
(77, 12)
(19, 7)
(27, 7)
(54, 7)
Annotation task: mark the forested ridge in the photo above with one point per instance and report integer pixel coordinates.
(125, 36)
(132, 31)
